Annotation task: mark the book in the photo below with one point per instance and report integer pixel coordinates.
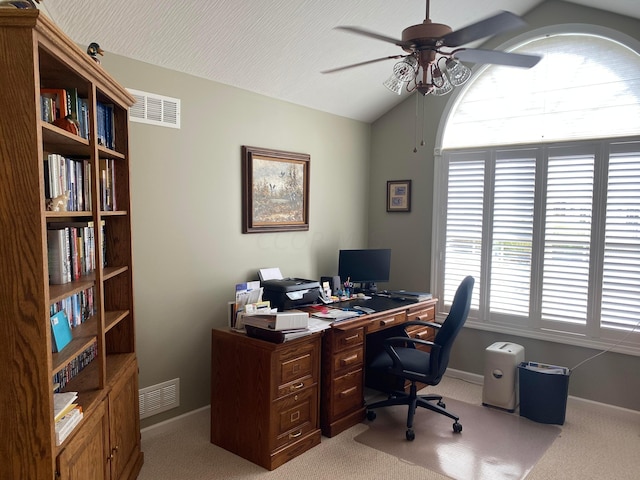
(279, 320)
(275, 336)
(67, 423)
(62, 402)
(60, 331)
(59, 256)
(59, 98)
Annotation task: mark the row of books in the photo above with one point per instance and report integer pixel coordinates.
(108, 185)
(57, 104)
(71, 250)
(67, 414)
(75, 366)
(78, 307)
(106, 131)
(72, 177)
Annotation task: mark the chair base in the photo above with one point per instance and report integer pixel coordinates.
(413, 400)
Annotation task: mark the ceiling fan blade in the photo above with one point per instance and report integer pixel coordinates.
(477, 55)
(370, 34)
(332, 70)
(499, 23)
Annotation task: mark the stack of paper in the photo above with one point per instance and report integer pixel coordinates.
(289, 320)
(545, 368)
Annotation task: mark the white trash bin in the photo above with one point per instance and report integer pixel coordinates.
(501, 375)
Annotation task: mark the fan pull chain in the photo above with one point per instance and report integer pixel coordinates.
(415, 128)
(424, 118)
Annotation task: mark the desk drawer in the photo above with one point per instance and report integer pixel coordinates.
(348, 359)
(427, 314)
(347, 393)
(386, 322)
(295, 416)
(295, 368)
(344, 339)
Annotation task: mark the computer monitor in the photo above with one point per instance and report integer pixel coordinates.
(365, 267)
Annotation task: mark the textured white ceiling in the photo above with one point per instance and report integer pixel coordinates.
(277, 47)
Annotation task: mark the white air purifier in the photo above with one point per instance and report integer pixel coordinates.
(501, 375)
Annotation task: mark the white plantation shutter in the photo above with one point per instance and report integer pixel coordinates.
(567, 237)
(464, 222)
(621, 275)
(512, 233)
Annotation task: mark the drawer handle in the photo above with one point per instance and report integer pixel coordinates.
(348, 391)
(351, 338)
(296, 387)
(295, 435)
(386, 321)
(348, 360)
(422, 335)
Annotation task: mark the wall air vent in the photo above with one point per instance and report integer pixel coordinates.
(159, 398)
(155, 109)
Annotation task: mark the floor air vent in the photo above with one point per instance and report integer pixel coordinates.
(155, 109)
(159, 398)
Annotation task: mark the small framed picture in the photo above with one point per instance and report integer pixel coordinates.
(399, 196)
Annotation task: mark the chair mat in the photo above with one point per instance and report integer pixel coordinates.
(493, 444)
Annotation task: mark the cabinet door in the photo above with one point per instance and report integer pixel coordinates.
(85, 457)
(124, 426)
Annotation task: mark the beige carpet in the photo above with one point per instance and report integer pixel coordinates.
(493, 444)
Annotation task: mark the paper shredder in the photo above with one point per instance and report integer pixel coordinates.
(501, 375)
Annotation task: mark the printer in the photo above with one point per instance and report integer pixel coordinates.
(287, 293)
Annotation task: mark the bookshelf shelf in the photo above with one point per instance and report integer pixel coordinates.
(84, 336)
(46, 76)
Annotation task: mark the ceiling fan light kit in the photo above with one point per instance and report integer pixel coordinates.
(429, 44)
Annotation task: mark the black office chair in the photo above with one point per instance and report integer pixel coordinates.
(404, 361)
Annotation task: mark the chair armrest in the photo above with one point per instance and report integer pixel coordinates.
(392, 342)
(401, 328)
(422, 323)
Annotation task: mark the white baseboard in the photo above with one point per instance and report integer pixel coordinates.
(466, 376)
(473, 378)
(479, 380)
(161, 427)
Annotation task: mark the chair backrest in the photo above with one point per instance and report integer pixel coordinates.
(453, 323)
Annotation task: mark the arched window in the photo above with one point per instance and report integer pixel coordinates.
(538, 194)
(585, 87)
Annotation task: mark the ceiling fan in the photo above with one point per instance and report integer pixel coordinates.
(429, 43)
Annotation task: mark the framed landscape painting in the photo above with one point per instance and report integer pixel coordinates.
(399, 196)
(275, 190)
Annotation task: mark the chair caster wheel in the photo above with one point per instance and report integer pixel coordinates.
(371, 415)
(441, 404)
(410, 434)
(457, 428)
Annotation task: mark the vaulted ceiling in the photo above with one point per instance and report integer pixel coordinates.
(277, 48)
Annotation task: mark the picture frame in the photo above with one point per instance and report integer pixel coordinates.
(398, 195)
(275, 190)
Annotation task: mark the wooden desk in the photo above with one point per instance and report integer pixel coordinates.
(343, 360)
(270, 402)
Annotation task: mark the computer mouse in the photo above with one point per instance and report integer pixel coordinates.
(360, 295)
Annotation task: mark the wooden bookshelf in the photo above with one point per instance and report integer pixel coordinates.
(35, 54)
